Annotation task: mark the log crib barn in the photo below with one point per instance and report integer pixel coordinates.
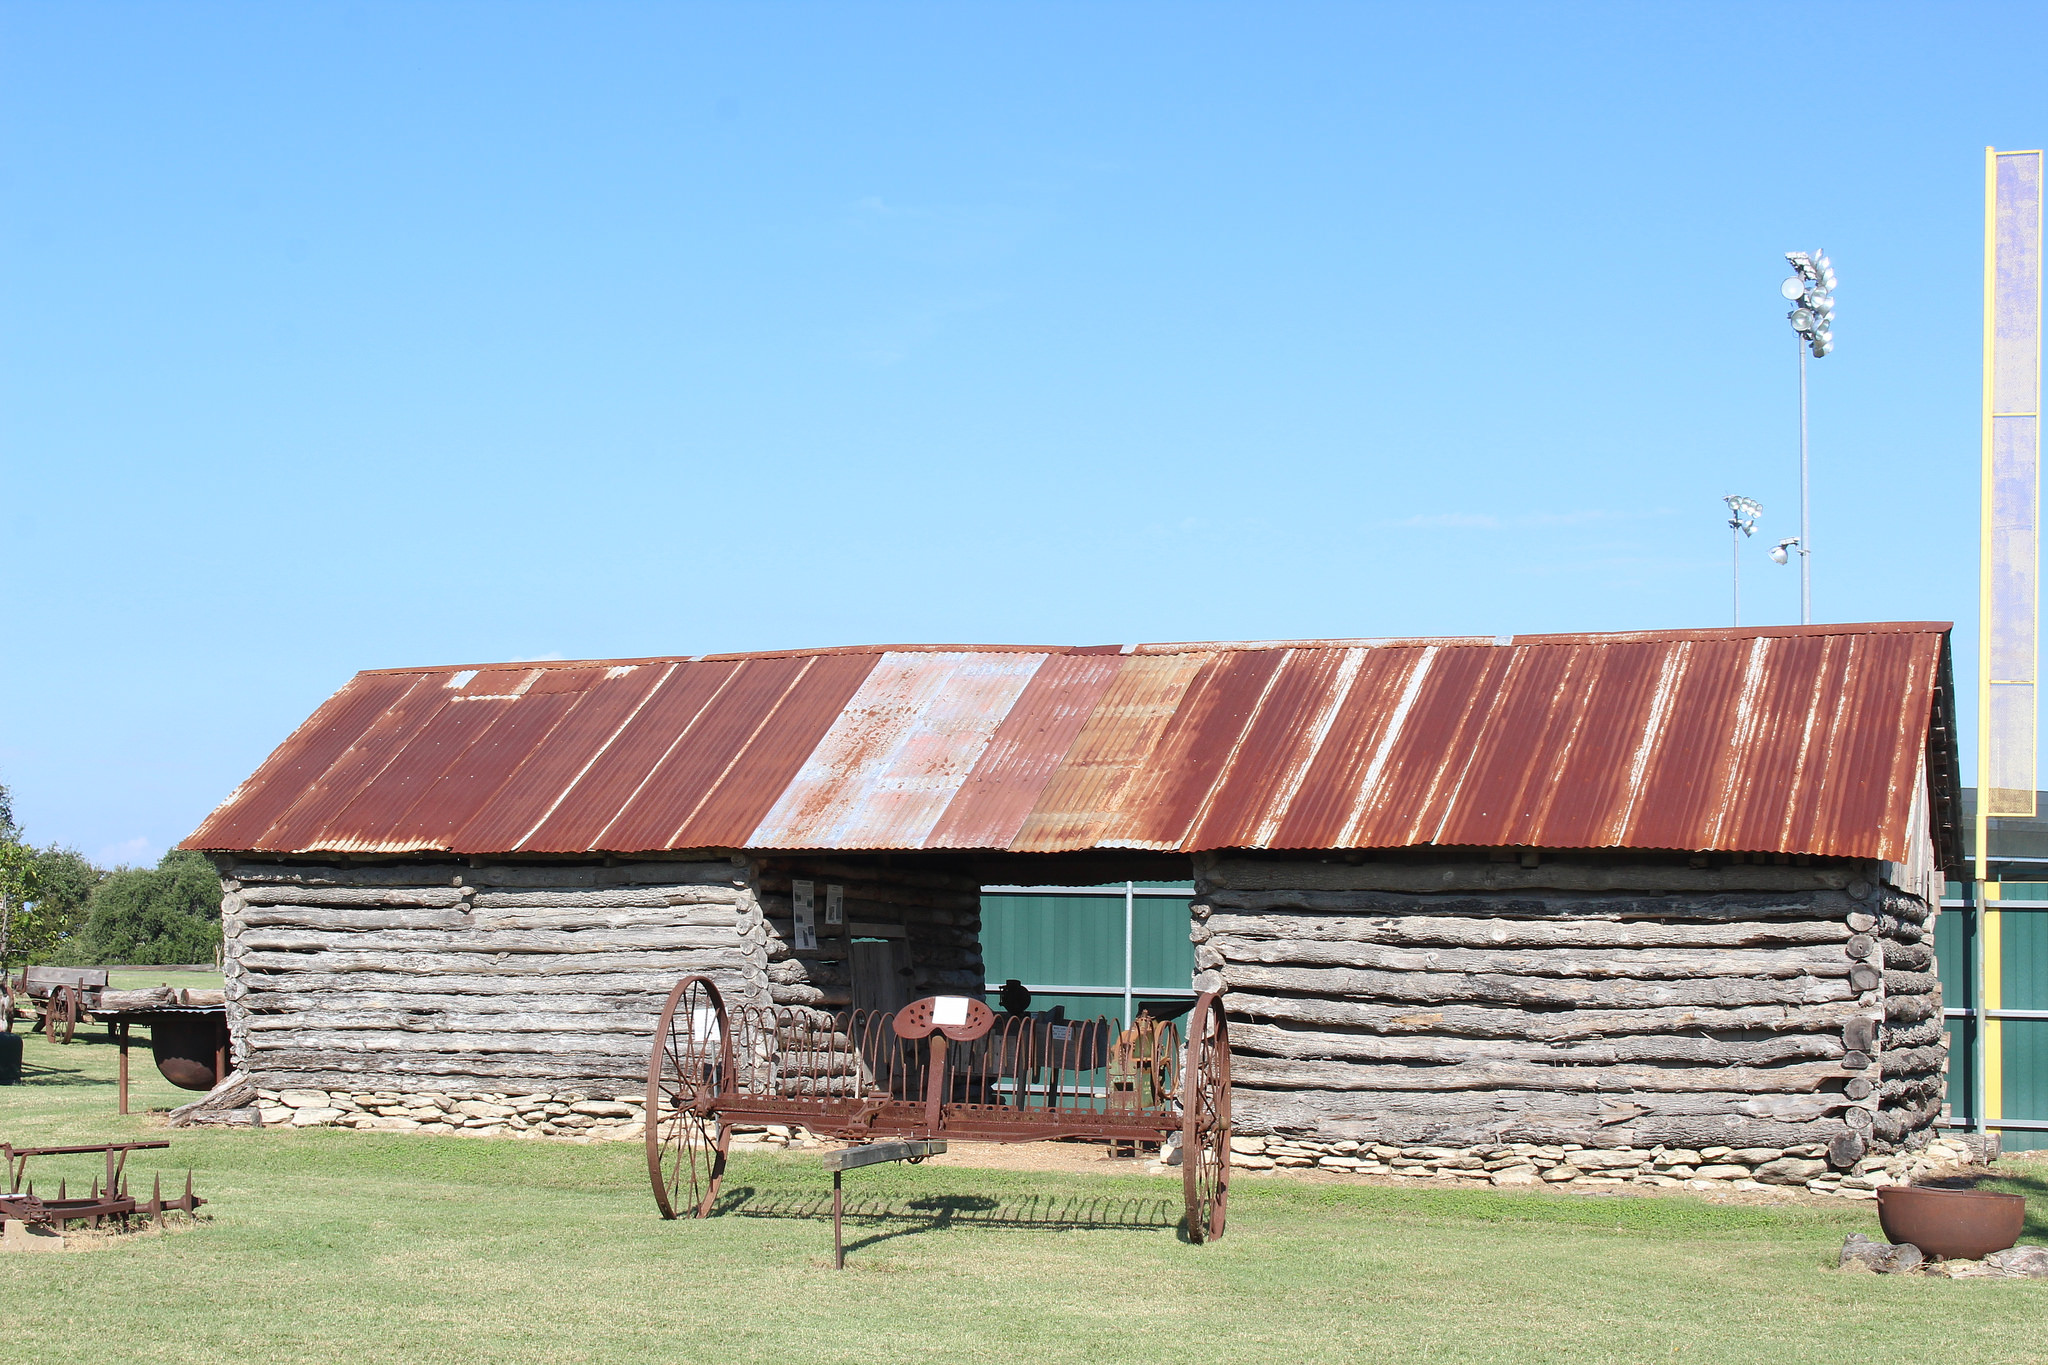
(1612, 904)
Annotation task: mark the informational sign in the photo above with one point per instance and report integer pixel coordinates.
(949, 1010)
(2010, 635)
(704, 1025)
(803, 897)
(835, 904)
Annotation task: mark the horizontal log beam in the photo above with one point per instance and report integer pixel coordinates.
(338, 1009)
(1909, 957)
(1246, 874)
(406, 1074)
(1479, 1021)
(1255, 1113)
(598, 979)
(1911, 983)
(1281, 1073)
(338, 896)
(1457, 931)
(1447, 987)
(1671, 964)
(517, 941)
(630, 898)
(1906, 1061)
(539, 1019)
(540, 875)
(677, 963)
(1911, 1009)
(397, 1042)
(1788, 907)
(316, 917)
(1274, 1041)
(1929, 1032)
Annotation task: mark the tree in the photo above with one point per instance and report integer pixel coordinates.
(169, 913)
(20, 881)
(65, 882)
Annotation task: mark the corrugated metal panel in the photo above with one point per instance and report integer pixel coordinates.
(764, 757)
(1793, 740)
(886, 770)
(1027, 748)
(1115, 744)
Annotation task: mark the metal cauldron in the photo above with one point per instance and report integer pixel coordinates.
(189, 1048)
(1956, 1225)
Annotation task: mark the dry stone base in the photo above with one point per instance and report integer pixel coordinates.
(571, 1114)
(1749, 1169)
(565, 1114)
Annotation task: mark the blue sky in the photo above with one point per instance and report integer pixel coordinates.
(352, 336)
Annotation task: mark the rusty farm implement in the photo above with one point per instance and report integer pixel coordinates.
(939, 1068)
(109, 1201)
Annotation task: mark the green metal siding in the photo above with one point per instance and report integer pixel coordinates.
(1052, 938)
(2023, 985)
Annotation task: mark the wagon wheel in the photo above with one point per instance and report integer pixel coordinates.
(690, 1067)
(60, 1014)
(1205, 1120)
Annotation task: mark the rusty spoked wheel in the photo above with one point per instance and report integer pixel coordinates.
(60, 1014)
(1205, 1120)
(690, 1067)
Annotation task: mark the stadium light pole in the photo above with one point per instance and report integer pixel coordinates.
(1811, 292)
(1742, 515)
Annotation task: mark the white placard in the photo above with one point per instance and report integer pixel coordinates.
(704, 1025)
(949, 1010)
(1062, 1032)
(804, 897)
(835, 904)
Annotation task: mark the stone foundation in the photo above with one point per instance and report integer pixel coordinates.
(571, 1113)
(566, 1114)
(1571, 1166)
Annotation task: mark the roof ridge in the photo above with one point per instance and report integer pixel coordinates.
(1705, 633)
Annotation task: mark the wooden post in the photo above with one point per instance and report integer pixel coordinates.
(838, 1243)
(123, 1038)
(935, 1084)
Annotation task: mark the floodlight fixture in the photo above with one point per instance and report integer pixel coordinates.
(1742, 517)
(1811, 292)
(1779, 552)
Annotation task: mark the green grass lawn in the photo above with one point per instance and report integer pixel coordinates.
(327, 1246)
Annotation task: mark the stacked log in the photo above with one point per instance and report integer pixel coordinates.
(1909, 1074)
(935, 915)
(421, 977)
(1755, 1006)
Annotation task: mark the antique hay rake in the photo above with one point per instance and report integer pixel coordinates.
(942, 1067)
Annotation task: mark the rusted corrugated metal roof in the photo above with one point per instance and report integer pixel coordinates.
(1783, 740)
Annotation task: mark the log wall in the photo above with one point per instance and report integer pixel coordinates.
(1598, 1003)
(444, 977)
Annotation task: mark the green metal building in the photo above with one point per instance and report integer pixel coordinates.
(1994, 976)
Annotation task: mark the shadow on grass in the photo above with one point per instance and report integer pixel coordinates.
(34, 1074)
(936, 1213)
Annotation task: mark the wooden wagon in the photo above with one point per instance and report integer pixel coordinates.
(942, 1067)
